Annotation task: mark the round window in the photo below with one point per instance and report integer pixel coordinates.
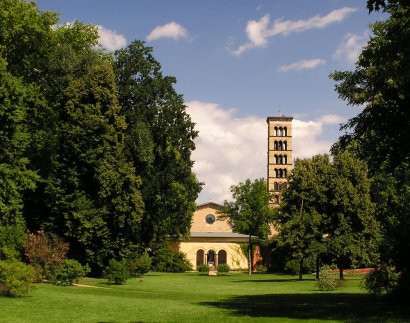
(210, 218)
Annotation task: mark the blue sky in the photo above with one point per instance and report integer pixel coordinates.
(237, 62)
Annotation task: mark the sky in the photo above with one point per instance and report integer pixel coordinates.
(236, 63)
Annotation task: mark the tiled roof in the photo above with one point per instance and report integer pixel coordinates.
(209, 204)
(218, 235)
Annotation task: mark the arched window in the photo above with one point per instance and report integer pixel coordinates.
(276, 145)
(211, 255)
(276, 159)
(280, 131)
(285, 173)
(222, 257)
(285, 145)
(285, 159)
(276, 131)
(200, 257)
(280, 159)
(285, 131)
(284, 186)
(280, 172)
(280, 145)
(276, 172)
(276, 186)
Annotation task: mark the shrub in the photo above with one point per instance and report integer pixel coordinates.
(379, 281)
(223, 268)
(116, 272)
(45, 253)
(292, 267)
(139, 266)
(327, 280)
(204, 268)
(15, 278)
(70, 272)
(7, 253)
(262, 269)
(11, 240)
(180, 263)
(168, 260)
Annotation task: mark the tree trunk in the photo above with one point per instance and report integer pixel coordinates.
(249, 256)
(341, 272)
(301, 269)
(317, 267)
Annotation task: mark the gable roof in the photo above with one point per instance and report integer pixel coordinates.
(210, 205)
(219, 235)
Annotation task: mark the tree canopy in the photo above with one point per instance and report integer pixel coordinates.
(96, 147)
(380, 133)
(327, 211)
(249, 212)
(159, 141)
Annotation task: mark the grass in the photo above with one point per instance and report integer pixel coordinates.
(193, 297)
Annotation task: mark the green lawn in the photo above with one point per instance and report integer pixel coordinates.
(192, 297)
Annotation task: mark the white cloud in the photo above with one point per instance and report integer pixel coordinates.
(258, 32)
(231, 149)
(332, 119)
(110, 39)
(170, 30)
(351, 47)
(302, 65)
(306, 139)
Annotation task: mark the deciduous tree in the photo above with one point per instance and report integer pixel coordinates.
(159, 140)
(327, 210)
(303, 215)
(249, 212)
(380, 84)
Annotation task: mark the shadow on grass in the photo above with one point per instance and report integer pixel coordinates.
(272, 280)
(326, 306)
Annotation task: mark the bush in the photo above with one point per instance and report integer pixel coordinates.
(46, 253)
(327, 280)
(15, 278)
(261, 269)
(7, 253)
(116, 272)
(379, 281)
(69, 273)
(168, 260)
(139, 266)
(204, 268)
(11, 240)
(292, 267)
(223, 268)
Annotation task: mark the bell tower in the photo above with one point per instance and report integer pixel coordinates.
(279, 156)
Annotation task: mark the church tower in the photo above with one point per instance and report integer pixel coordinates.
(279, 156)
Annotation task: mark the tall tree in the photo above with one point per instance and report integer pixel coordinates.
(327, 210)
(381, 84)
(303, 215)
(352, 231)
(159, 140)
(94, 144)
(88, 192)
(16, 177)
(249, 212)
(92, 190)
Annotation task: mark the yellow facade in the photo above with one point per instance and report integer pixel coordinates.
(212, 241)
(235, 256)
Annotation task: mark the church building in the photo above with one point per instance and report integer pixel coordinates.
(211, 239)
